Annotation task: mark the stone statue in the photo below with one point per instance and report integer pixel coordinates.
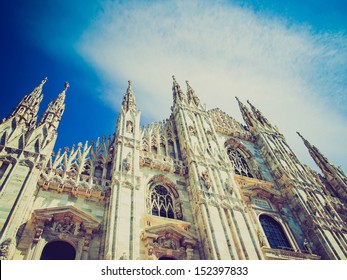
(261, 238)
(151, 255)
(307, 246)
(127, 162)
(206, 179)
(124, 256)
(129, 127)
(4, 248)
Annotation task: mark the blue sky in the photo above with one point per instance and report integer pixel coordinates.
(288, 58)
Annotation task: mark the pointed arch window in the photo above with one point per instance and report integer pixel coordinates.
(239, 163)
(162, 202)
(274, 233)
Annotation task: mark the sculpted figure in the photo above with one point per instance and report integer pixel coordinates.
(4, 248)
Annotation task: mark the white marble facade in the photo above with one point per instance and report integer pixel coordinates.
(198, 185)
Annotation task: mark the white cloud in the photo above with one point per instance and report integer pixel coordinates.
(296, 78)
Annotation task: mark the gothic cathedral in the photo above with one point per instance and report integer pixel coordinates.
(199, 185)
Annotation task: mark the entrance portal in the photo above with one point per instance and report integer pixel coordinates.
(58, 250)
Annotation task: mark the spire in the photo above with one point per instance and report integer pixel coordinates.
(316, 155)
(246, 114)
(307, 144)
(129, 102)
(178, 95)
(259, 116)
(192, 97)
(334, 175)
(26, 111)
(55, 109)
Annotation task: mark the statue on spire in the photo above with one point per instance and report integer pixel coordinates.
(129, 102)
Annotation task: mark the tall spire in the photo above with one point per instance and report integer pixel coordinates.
(258, 115)
(247, 115)
(334, 175)
(26, 111)
(129, 102)
(178, 95)
(55, 109)
(317, 156)
(191, 96)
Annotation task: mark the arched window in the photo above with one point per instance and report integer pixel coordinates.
(239, 163)
(274, 233)
(161, 202)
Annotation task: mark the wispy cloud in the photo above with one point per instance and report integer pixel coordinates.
(296, 77)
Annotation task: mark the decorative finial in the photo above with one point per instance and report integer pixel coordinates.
(44, 81)
(67, 85)
(173, 77)
(129, 83)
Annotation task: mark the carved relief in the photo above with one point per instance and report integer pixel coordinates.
(166, 242)
(65, 225)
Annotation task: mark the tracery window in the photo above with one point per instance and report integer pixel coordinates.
(274, 233)
(239, 163)
(162, 202)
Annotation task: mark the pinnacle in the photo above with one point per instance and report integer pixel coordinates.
(44, 81)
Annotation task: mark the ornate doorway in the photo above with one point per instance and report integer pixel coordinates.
(58, 250)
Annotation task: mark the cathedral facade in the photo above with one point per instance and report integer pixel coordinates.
(199, 185)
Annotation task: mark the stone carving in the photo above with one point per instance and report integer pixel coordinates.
(228, 186)
(178, 211)
(38, 233)
(261, 238)
(127, 162)
(225, 124)
(311, 205)
(65, 225)
(206, 179)
(151, 255)
(129, 127)
(4, 248)
(124, 256)
(166, 242)
(192, 131)
(307, 246)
